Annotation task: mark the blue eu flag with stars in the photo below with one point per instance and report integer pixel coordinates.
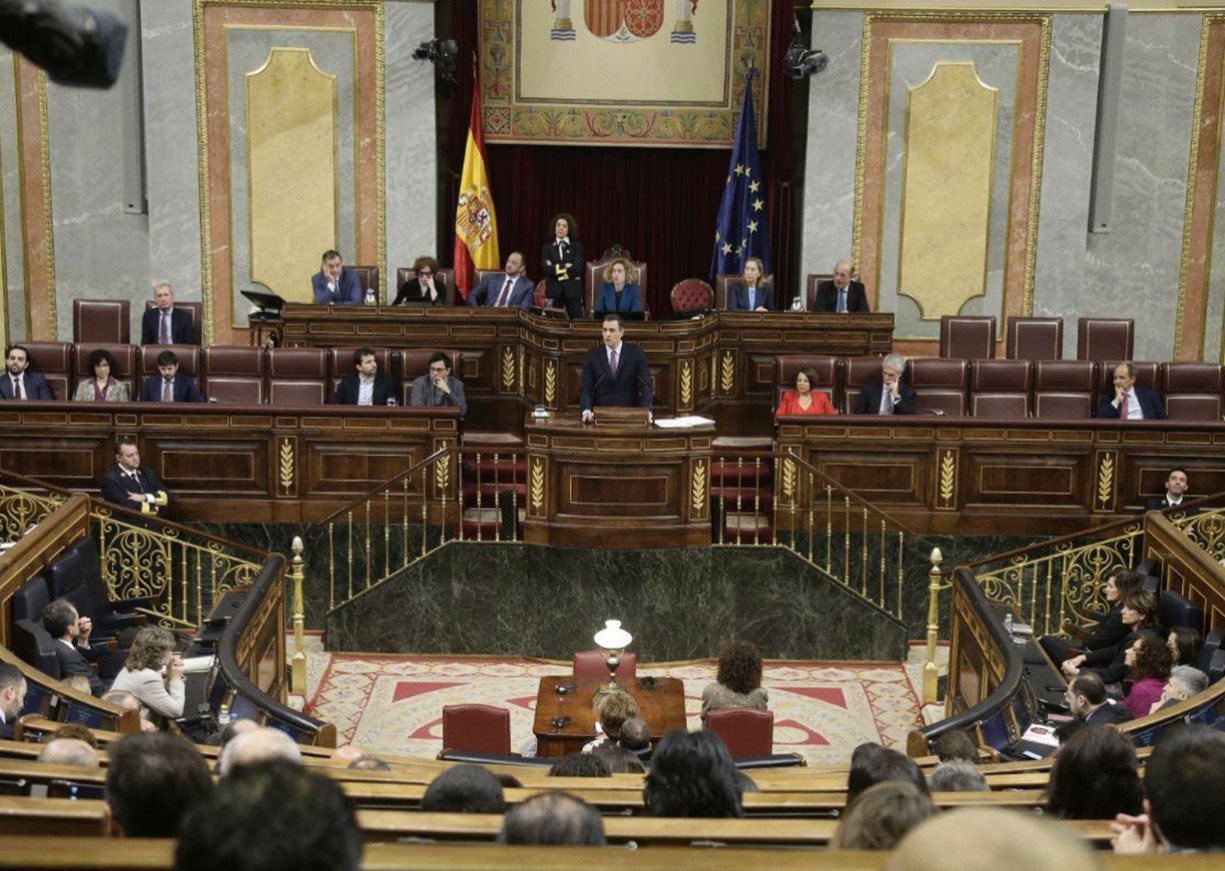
(742, 229)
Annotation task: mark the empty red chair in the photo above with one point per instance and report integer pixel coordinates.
(476, 729)
(593, 663)
(745, 731)
(967, 338)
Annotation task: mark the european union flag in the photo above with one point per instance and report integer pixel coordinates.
(742, 229)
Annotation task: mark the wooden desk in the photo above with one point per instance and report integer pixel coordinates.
(662, 706)
(617, 485)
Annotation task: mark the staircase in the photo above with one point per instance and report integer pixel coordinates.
(742, 490)
(493, 468)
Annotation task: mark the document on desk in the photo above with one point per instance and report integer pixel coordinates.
(198, 664)
(687, 422)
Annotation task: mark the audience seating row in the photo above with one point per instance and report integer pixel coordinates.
(1058, 389)
(233, 374)
(973, 338)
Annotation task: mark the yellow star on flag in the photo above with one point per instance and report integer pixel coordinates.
(757, 205)
(740, 169)
(752, 226)
(727, 249)
(753, 186)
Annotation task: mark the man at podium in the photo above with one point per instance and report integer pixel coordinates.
(615, 373)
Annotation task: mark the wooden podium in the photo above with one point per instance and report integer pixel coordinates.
(616, 484)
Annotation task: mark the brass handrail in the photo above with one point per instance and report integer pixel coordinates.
(357, 503)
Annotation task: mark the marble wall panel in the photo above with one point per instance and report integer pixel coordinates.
(12, 256)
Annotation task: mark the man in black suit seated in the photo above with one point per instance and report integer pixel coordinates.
(1128, 401)
(888, 395)
(19, 382)
(1175, 493)
(615, 373)
(71, 634)
(1086, 698)
(366, 386)
(507, 289)
(131, 486)
(12, 697)
(841, 294)
(166, 325)
(170, 385)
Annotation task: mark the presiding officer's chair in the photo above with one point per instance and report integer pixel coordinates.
(593, 663)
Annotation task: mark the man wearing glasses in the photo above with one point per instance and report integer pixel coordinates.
(439, 387)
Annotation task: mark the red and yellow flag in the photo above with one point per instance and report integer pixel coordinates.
(476, 223)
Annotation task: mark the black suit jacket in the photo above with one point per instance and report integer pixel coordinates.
(631, 386)
(1150, 404)
(116, 486)
(550, 255)
(73, 661)
(868, 400)
(182, 331)
(349, 389)
(738, 297)
(827, 297)
(1108, 713)
(184, 390)
(35, 385)
(1162, 503)
(410, 293)
(1108, 631)
(6, 731)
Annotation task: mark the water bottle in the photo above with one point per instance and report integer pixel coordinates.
(797, 304)
(223, 715)
(370, 300)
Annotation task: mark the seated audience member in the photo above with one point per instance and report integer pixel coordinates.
(226, 736)
(464, 789)
(990, 839)
(1175, 492)
(615, 373)
(751, 293)
(72, 651)
(580, 765)
(335, 285)
(259, 745)
(165, 324)
(882, 816)
(956, 744)
(152, 654)
(271, 817)
(1184, 645)
(611, 712)
(1148, 669)
(872, 764)
(618, 759)
(692, 775)
(1094, 776)
(510, 288)
(76, 731)
(69, 751)
(887, 395)
(1185, 681)
(737, 682)
(130, 486)
(805, 399)
(636, 738)
(103, 387)
(152, 780)
(619, 292)
(21, 382)
(367, 385)
(957, 775)
(422, 289)
(368, 763)
(1109, 630)
(842, 294)
(438, 386)
(1139, 616)
(170, 385)
(553, 818)
(12, 697)
(1183, 800)
(1088, 703)
(1128, 401)
(129, 702)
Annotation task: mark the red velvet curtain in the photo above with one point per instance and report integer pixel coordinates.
(658, 203)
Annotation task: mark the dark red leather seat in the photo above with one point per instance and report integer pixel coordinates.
(692, 295)
(967, 338)
(1065, 389)
(1192, 390)
(828, 375)
(101, 321)
(234, 374)
(297, 376)
(195, 309)
(476, 729)
(745, 731)
(1105, 338)
(126, 366)
(593, 663)
(52, 360)
(1035, 339)
(1000, 388)
(940, 385)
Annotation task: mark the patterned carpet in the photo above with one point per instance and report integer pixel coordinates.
(393, 704)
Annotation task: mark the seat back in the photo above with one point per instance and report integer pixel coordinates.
(34, 645)
(234, 374)
(52, 360)
(1000, 388)
(64, 575)
(297, 376)
(593, 275)
(1035, 338)
(1208, 649)
(745, 731)
(1105, 338)
(967, 338)
(721, 288)
(1192, 390)
(29, 600)
(814, 281)
(195, 309)
(940, 385)
(692, 294)
(476, 728)
(787, 366)
(1065, 389)
(126, 369)
(369, 277)
(857, 372)
(340, 365)
(415, 362)
(1174, 610)
(1147, 376)
(101, 321)
(444, 276)
(188, 355)
(593, 663)
(89, 563)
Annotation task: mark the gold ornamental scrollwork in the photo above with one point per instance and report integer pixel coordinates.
(948, 478)
(287, 465)
(537, 486)
(508, 367)
(699, 488)
(1105, 482)
(550, 381)
(686, 384)
(20, 510)
(727, 373)
(1206, 530)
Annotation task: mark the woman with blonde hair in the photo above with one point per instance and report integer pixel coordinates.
(153, 673)
(620, 291)
(751, 293)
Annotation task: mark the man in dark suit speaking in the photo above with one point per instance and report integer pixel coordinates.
(841, 295)
(130, 486)
(615, 373)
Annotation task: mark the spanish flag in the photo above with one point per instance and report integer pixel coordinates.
(476, 223)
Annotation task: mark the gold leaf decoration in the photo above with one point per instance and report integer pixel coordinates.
(508, 367)
(948, 477)
(728, 380)
(789, 472)
(287, 465)
(550, 381)
(537, 486)
(1105, 480)
(442, 471)
(699, 488)
(686, 384)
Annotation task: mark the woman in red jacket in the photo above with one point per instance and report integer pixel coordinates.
(805, 399)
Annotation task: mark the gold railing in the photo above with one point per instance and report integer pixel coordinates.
(1206, 528)
(486, 509)
(22, 508)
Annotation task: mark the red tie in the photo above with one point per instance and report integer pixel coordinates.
(167, 391)
(504, 294)
(164, 338)
(1123, 408)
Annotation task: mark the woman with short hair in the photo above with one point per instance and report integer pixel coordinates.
(104, 386)
(738, 681)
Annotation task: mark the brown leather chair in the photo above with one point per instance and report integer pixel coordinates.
(404, 273)
(340, 365)
(828, 370)
(692, 295)
(415, 362)
(369, 277)
(721, 289)
(126, 366)
(940, 385)
(1035, 338)
(593, 663)
(1147, 376)
(593, 276)
(745, 731)
(814, 280)
(297, 376)
(234, 374)
(1065, 389)
(188, 356)
(1105, 339)
(856, 373)
(1000, 388)
(1192, 391)
(967, 338)
(53, 361)
(476, 729)
(195, 309)
(101, 321)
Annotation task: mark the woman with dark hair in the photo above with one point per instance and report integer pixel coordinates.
(1148, 663)
(1108, 630)
(882, 816)
(563, 262)
(751, 293)
(1139, 615)
(872, 764)
(619, 292)
(692, 775)
(103, 387)
(805, 399)
(1094, 776)
(738, 681)
(1184, 645)
(422, 288)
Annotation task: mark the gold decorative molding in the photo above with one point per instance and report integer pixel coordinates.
(727, 380)
(698, 503)
(508, 367)
(44, 135)
(1105, 481)
(789, 476)
(1036, 164)
(287, 465)
(948, 478)
(550, 381)
(536, 487)
(442, 471)
(686, 384)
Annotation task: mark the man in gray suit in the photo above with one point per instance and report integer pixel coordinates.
(507, 289)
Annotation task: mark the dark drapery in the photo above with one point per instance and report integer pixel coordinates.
(658, 203)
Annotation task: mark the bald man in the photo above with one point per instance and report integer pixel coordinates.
(842, 295)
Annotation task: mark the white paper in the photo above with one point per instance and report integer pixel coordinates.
(683, 422)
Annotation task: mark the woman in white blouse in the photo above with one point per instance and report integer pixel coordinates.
(154, 674)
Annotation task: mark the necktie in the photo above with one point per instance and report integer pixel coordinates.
(18, 390)
(612, 362)
(842, 300)
(1123, 408)
(505, 294)
(886, 400)
(164, 338)
(167, 391)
